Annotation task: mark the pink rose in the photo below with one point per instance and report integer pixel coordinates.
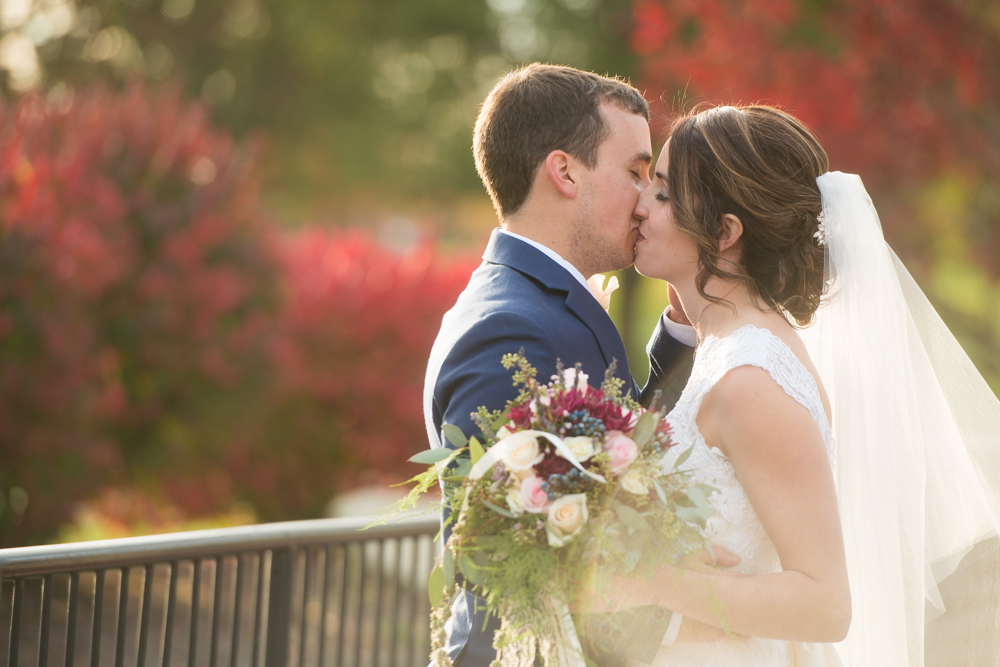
(533, 498)
(622, 450)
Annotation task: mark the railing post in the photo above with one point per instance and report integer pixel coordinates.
(15, 629)
(279, 611)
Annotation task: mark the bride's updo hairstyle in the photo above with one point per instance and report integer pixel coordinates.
(759, 164)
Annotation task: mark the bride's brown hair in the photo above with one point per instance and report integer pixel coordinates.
(759, 164)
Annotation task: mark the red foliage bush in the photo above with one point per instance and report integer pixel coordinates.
(156, 331)
(896, 90)
(351, 346)
(133, 286)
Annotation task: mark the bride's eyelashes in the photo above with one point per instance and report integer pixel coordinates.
(662, 198)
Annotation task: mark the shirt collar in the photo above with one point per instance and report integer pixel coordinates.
(553, 255)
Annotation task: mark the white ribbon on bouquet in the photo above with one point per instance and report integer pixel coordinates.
(503, 447)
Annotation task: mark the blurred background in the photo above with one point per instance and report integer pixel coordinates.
(229, 228)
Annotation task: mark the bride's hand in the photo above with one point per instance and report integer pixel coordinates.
(601, 595)
(713, 559)
(617, 593)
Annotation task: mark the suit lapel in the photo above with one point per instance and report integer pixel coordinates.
(520, 256)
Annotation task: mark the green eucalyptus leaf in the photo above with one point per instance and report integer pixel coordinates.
(476, 450)
(431, 456)
(469, 569)
(697, 496)
(454, 435)
(499, 510)
(690, 514)
(683, 457)
(659, 492)
(435, 587)
(500, 421)
(644, 428)
(463, 468)
(707, 489)
(628, 515)
(481, 560)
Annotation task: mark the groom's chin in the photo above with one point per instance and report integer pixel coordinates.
(635, 255)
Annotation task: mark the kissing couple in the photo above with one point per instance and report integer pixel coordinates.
(854, 448)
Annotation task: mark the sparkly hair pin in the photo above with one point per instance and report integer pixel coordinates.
(820, 234)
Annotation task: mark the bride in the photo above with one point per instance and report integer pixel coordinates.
(853, 445)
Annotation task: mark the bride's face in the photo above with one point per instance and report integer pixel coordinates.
(661, 250)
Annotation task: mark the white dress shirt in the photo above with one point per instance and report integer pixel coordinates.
(685, 333)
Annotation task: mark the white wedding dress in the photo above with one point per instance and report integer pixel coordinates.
(917, 433)
(735, 525)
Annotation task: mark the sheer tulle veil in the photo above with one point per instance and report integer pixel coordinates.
(917, 433)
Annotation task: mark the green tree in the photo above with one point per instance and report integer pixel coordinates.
(361, 100)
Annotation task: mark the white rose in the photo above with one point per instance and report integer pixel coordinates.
(572, 378)
(632, 482)
(523, 451)
(580, 446)
(514, 497)
(566, 517)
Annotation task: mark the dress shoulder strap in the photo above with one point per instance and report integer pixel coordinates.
(753, 346)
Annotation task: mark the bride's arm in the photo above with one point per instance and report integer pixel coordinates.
(780, 459)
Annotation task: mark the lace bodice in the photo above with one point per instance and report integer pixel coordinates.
(735, 524)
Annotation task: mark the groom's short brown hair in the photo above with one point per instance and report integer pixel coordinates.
(536, 110)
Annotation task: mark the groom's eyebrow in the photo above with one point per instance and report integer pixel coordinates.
(643, 157)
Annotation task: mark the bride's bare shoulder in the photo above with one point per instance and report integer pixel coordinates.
(747, 407)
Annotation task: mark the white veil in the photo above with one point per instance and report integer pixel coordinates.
(917, 433)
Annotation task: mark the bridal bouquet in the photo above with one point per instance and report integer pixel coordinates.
(565, 482)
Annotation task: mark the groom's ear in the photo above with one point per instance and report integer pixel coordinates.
(730, 231)
(560, 167)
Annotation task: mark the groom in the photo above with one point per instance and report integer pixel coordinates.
(564, 155)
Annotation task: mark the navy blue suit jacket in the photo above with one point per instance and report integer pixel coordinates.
(518, 298)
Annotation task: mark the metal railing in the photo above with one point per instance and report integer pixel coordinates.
(293, 594)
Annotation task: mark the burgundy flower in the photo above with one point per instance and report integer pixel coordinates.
(521, 415)
(552, 464)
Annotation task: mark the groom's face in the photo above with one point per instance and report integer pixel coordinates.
(605, 231)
